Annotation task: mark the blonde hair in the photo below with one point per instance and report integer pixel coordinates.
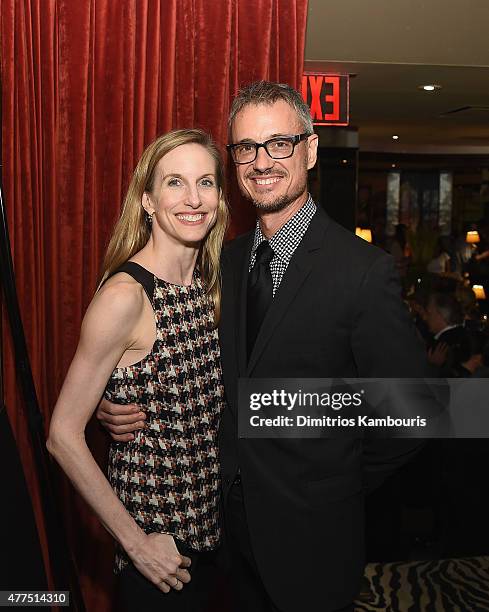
(132, 231)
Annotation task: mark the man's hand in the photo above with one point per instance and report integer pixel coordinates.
(157, 558)
(120, 420)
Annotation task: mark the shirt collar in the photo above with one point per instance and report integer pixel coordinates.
(287, 239)
(445, 329)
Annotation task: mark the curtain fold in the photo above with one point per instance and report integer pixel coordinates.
(86, 86)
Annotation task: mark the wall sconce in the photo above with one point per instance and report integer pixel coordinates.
(364, 232)
(479, 292)
(472, 237)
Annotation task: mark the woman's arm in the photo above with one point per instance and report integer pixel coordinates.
(107, 332)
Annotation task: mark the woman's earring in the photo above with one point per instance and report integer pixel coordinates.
(149, 219)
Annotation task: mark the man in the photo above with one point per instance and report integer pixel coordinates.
(292, 308)
(444, 318)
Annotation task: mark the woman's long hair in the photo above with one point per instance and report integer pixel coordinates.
(132, 231)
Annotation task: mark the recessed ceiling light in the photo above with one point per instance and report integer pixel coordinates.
(395, 137)
(429, 87)
(393, 165)
(344, 161)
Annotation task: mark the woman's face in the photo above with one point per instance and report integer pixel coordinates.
(185, 195)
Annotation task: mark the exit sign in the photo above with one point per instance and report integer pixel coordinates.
(328, 97)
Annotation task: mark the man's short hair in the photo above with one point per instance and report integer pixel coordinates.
(449, 308)
(267, 92)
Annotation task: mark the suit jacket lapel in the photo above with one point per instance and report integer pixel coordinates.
(297, 272)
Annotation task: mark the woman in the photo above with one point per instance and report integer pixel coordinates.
(400, 250)
(149, 337)
(440, 262)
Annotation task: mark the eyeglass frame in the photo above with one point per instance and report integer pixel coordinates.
(294, 140)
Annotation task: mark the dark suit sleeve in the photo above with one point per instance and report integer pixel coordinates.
(385, 345)
(384, 341)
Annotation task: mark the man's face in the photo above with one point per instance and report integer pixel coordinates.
(273, 184)
(434, 320)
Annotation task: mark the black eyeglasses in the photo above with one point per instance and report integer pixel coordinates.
(280, 147)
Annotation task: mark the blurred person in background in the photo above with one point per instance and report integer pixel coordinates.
(444, 318)
(483, 370)
(440, 263)
(463, 254)
(468, 355)
(400, 250)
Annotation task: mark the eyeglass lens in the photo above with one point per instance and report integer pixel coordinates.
(276, 148)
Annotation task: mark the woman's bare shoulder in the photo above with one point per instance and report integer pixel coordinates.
(119, 302)
(123, 285)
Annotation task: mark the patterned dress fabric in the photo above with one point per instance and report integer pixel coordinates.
(168, 476)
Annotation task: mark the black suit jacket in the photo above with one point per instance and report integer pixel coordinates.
(337, 313)
(454, 338)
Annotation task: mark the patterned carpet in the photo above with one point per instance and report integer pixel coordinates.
(452, 585)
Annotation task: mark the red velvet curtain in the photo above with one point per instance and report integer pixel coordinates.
(86, 85)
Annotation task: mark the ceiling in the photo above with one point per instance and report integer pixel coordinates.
(390, 47)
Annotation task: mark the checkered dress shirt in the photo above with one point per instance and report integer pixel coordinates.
(284, 242)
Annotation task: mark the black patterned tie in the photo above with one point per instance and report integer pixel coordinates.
(260, 292)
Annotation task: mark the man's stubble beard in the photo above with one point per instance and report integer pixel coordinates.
(281, 202)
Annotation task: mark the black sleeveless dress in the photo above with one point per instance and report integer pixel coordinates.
(168, 476)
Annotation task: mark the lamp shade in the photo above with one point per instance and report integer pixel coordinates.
(472, 237)
(364, 232)
(480, 294)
